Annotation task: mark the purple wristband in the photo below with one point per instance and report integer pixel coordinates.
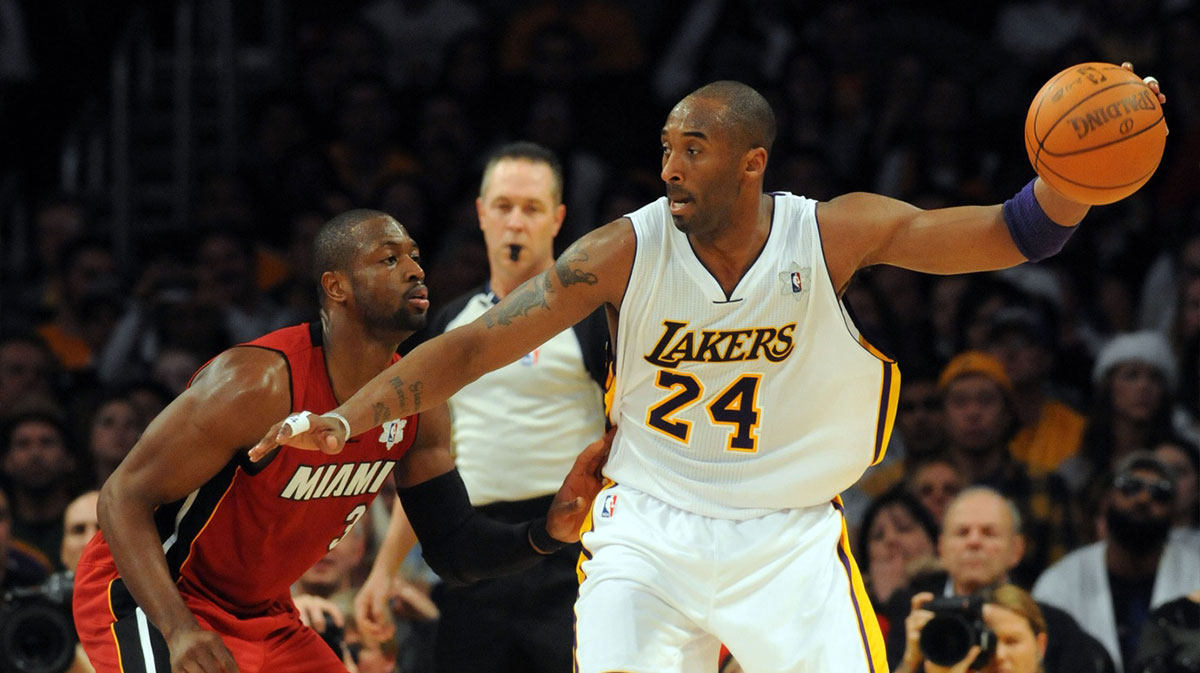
(1036, 235)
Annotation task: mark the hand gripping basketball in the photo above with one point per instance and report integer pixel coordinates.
(1095, 132)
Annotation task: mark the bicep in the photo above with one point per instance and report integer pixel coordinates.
(860, 230)
(227, 409)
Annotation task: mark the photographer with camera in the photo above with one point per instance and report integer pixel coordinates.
(1000, 629)
(979, 545)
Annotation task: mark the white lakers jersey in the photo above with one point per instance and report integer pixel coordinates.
(735, 406)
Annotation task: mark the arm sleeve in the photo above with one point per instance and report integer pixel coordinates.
(460, 544)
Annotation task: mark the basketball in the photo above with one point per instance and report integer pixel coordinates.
(1095, 132)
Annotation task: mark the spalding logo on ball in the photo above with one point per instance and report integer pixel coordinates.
(1095, 132)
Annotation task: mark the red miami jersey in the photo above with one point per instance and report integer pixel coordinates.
(243, 538)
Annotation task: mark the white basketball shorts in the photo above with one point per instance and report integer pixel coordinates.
(662, 588)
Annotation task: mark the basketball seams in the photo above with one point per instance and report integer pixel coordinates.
(1081, 102)
(1108, 143)
(1074, 104)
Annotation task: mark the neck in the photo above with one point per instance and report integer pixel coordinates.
(1128, 436)
(977, 465)
(729, 251)
(353, 355)
(1132, 564)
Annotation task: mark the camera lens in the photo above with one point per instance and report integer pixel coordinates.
(946, 639)
(39, 638)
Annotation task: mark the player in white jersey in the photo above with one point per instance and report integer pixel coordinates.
(749, 403)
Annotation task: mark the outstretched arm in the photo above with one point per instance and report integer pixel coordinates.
(860, 230)
(189, 442)
(591, 273)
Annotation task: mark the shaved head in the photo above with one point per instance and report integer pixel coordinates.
(336, 242)
(747, 114)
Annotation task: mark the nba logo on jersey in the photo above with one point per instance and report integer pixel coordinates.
(393, 432)
(793, 282)
(610, 505)
(530, 359)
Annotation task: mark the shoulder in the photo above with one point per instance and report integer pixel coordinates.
(244, 372)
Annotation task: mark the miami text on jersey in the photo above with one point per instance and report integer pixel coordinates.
(678, 344)
(337, 480)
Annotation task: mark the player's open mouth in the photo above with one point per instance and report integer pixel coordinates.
(419, 298)
(679, 205)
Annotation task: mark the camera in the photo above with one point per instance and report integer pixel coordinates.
(957, 624)
(37, 630)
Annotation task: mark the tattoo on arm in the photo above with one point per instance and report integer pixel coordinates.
(415, 387)
(398, 386)
(568, 271)
(529, 295)
(382, 413)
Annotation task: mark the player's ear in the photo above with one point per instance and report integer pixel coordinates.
(335, 285)
(755, 162)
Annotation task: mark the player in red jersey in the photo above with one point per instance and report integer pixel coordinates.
(199, 545)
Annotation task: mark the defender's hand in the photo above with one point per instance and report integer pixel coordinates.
(200, 651)
(304, 430)
(579, 489)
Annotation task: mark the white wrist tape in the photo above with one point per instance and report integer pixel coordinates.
(345, 423)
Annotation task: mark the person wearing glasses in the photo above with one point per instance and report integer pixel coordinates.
(1111, 586)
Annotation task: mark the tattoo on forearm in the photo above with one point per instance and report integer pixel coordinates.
(528, 296)
(398, 386)
(415, 387)
(382, 413)
(568, 271)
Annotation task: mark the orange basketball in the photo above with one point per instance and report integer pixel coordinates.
(1095, 133)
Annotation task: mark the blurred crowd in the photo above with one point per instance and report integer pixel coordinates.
(1037, 382)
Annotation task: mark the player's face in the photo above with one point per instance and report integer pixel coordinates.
(1018, 649)
(978, 545)
(520, 213)
(389, 283)
(700, 166)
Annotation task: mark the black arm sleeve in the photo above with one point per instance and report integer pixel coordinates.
(459, 543)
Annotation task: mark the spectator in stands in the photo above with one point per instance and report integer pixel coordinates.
(1131, 411)
(27, 371)
(980, 545)
(1048, 429)
(1183, 459)
(980, 422)
(39, 467)
(21, 565)
(895, 542)
(114, 428)
(1110, 586)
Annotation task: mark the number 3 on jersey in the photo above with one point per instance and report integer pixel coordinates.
(351, 519)
(736, 405)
